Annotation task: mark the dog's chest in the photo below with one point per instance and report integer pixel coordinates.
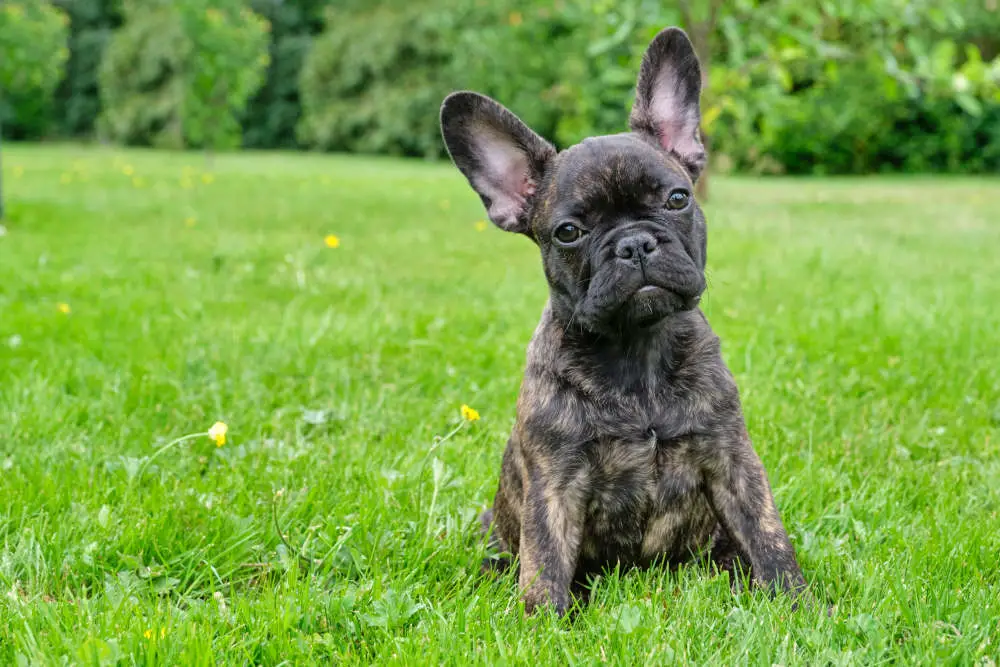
(646, 501)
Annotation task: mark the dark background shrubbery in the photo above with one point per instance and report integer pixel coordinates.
(271, 118)
(793, 86)
(78, 100)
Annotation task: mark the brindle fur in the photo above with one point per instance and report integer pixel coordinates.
(630, 445)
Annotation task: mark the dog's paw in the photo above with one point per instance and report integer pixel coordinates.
(540, 598)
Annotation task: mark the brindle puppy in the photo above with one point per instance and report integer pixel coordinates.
(630, 444)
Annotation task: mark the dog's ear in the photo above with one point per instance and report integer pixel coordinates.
(502, 158)
(667, 98)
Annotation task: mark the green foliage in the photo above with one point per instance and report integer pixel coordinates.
(815, 87)
(831, 91)
(271, 116)
(230, 58)
(823, 86)
(178, 73)
(937, 117)
(32, 53)
(377, 75)
(498, 52)
(375, 78)
(79, 94)
(78, 97)
(141, 78)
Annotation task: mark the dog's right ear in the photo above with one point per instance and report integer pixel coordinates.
(667, 107)
(502, 158)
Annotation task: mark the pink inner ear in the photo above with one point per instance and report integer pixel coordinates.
(505, 178)
(676, 123)
(508, 204)
(677, 137)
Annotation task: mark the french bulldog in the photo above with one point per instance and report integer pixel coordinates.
(630, 446)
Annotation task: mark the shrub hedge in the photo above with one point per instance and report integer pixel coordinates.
(179, 73)
(841, 86)
(33, 52)
(272, 115)
(78, 103)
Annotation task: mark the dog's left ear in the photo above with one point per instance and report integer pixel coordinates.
(499, 155)
(667, 98)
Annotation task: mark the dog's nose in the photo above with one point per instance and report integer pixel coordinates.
(636, 246)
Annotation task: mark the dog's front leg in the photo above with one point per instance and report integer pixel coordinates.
(551, 527)
(741, 497)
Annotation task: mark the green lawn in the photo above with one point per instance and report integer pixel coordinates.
(861, 317)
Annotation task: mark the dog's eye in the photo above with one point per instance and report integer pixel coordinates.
(678, 199)
(567, 233)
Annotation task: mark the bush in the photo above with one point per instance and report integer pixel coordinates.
(78, 97)
(32, 53)
(529, 56)
(79, 100)
(180, 72)
(272, 115)
(837, 125)
(374, 79)
(794, 87)
(938, 115)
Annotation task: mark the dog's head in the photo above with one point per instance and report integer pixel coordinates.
(621, 235)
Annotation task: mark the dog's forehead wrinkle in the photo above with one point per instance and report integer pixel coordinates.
(613, 171)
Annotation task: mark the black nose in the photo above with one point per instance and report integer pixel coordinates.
(636, 246)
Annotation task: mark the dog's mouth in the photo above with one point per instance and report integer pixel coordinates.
(651, 303)
(687, 301)
(638, 306)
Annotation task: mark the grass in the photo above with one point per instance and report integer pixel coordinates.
(860, 317)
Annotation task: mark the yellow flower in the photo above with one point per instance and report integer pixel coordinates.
(332, 241)
(64, 308)
(218, 433)
(149, 634)
(207, 178)
(469, 414)
(189, 222)
(128, 170)
(481, 226)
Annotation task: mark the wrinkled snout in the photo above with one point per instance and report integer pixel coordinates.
(636, 247)
(645, 273)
